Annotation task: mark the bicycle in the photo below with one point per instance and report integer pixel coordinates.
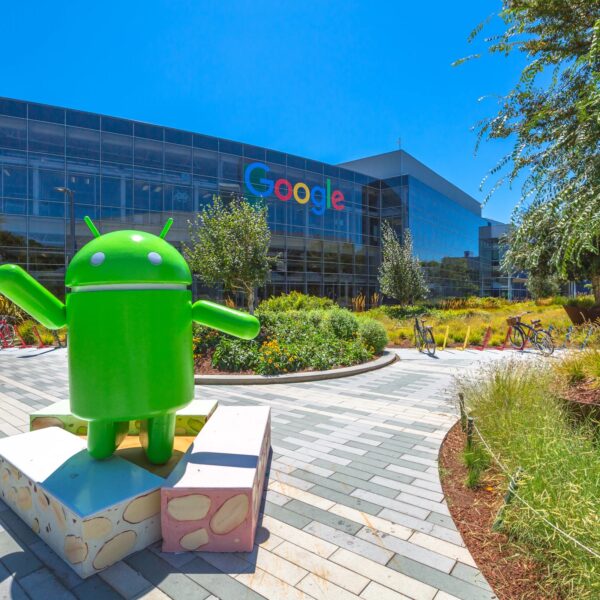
(7, 333)
(521, 333)
(424, 336)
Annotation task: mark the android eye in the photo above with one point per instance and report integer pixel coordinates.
(155, 258)
(97, 259)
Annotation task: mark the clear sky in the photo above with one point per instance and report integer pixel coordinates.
(331, 80)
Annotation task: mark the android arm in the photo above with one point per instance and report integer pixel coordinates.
(20, 287)
(225, 319)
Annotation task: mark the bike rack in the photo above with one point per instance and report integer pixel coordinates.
(23, 343)
(503, 346)
(467, 337)
(486, 338)
(445, 338)
(39, 337)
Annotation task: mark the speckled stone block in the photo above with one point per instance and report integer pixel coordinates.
(210, 502)
(92, 513)
(189, 421)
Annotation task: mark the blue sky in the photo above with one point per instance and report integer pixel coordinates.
(331, 80)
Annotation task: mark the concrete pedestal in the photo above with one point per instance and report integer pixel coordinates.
(210, 502)
(91, 513)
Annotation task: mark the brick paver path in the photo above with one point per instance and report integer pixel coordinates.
(354, 507)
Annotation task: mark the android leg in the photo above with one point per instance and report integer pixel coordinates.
(157, 435)
(105, 436)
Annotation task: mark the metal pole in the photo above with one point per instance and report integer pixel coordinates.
(72, 222)
(71, 193)
(510, 493)
(470, 424)
(463, 412)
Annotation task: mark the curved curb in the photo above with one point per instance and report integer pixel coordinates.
(386, 359)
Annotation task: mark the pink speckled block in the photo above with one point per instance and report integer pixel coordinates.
(210, 501)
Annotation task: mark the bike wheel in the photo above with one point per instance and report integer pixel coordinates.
(418, 340)
(429, 342)
(517, 339)
(8, 334)
(544, 343)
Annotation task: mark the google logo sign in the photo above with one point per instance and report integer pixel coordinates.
(321, 198)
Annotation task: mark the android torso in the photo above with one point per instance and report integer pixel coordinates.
(130, 352)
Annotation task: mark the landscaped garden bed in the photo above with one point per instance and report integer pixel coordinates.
(473, 316)
(298, 333)
(549, 540)
(507, 566)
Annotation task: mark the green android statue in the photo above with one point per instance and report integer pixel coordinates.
(129, 316)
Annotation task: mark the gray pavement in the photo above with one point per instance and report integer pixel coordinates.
(353, 509)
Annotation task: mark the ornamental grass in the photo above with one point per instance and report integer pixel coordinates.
(520, 410)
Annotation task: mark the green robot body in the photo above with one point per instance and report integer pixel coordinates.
(129, 316)
(150, 331)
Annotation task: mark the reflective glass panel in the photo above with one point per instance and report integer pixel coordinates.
(117, 148)
(84, 143)
(46, 137)
(13, 133)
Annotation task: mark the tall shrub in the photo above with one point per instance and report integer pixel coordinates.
(400, 274)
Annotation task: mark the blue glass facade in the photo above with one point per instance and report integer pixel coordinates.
(127, 174)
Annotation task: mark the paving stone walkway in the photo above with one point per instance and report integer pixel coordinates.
(353, 510)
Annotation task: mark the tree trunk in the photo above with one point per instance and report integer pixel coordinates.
(250, 300)
(595, 277)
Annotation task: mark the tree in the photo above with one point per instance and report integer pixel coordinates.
(552, 117)
(400, 274)
(229, 245)
(543, 287)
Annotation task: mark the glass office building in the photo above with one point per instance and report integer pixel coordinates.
(325, 219)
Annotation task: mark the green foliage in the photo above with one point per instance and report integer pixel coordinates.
(552, 119)
(205, 338)
(342, 323)
(477, 461)
(518, 408)
(400, 274)
(290, 341)
(582, 301)
(543, 286)
(295, 301)
(373, 335)
(232, 354)
(402, 312)
(229, 246)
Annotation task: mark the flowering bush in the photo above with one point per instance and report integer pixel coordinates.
(292, 340)
(276, 358)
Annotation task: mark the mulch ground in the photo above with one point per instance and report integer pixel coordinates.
(512, 575)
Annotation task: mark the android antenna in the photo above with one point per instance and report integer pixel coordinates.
(165, 229)
(92, 227)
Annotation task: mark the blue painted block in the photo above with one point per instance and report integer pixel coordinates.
(91, 513)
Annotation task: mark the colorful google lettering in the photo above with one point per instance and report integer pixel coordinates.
(320, 197)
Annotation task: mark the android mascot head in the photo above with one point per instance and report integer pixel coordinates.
(127, 258)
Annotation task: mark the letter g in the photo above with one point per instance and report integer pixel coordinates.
(264, 181)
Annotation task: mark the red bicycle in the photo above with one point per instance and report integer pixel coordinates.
(8, 333)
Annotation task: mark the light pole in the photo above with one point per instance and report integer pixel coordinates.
(66, 190)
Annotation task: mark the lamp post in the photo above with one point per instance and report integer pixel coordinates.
(66, 190)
